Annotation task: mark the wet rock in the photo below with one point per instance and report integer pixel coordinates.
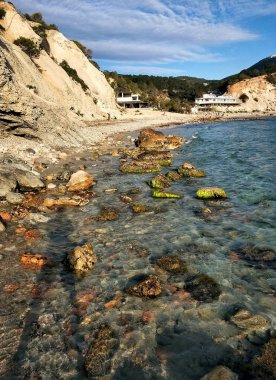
(203, 288)
(126, 199)
(220, 373)
(137, 249)
(152, 140)
(173, 176)
(147, 317)
(65, 201)
(2, 227)
(264, 365)
(188, 170)
(32, 261)
(172, 264)
(51, 186)
(79, 181)
(139, 167)
(15, 198)
(139, 208)
(147, 287)
(250, 323)
(107, 214)
(257, 254)
(162, 194)
(100, 352)
(163, 158)
(160, 182)
(7, 183)
(35, 218)
(28, 181)
(82, 259)
(211, 193)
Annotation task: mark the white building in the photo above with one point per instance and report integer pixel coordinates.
(128, 100)
(213, 100)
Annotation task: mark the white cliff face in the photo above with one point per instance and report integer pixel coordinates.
(49, 100)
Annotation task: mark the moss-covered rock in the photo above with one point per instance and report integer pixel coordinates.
(97, 359)
(160, 182)
(172, 264)
(173, 176)
(107, 214)
(139, 167)
(163, 158)
(150, 286)
(162, 194)
(203, 288)
(211, 193)
(191, 172)
(139, 208)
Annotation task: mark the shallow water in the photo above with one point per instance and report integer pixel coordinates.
(48, 330)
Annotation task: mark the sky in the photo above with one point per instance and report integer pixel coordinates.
(203, 38)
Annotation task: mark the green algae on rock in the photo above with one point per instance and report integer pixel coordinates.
(160, 182)
(203, 288)
(147, 287)
(173, 176)
(139, 208)
(172, 264)
(191, 172)
(107, 214)
(162, 194)
(211, 193)
(163, 158)
(82, 259)
(139, 167)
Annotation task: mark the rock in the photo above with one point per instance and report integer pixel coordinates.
(107, 214)
(187, 165)
(162, 194)
(138, 208)
(264, 365)
(35, 218)
(163, 158)
(220, 373)
(210, 193)
(51, 186)
(257, 254)
(65, 201)
(148, 287)
(32, 261)
(152, 140)
(188, 170)
(80, 180)
(7, 183)
(147, 317)
(203, 288)
(28, 181)
(160, 182)
(251, 323)
(126, 199)
(97, 359)
(173, 176)
(15, 198)
(172, 264)
(82, 259)
(139, 167)
(2, 227)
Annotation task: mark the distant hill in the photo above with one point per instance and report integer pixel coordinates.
(267, 64)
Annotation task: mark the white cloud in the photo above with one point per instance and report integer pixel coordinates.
(152, 31)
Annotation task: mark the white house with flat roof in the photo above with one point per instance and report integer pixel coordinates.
(214, 100)
(129, 100)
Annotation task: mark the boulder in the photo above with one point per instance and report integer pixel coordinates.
(97, 359)
(82, 259)
(211, 193)
(153, 140)
(172, 264)
(188, 170)
(7, 183)
(15, 198)
(162, 194)
(150, 286)
(163, 158)
(220, 373)
(79, 181)
(203, 288)
(139, 167)
(173, 176)
(28, 181)
(160, 182)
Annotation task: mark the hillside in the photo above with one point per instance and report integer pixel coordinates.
(49, 88)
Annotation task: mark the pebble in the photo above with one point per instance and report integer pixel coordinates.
(15, 198)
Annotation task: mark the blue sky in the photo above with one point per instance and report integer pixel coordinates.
(204, 38)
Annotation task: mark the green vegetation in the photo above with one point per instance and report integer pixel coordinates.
(2, 28)
(2, 14)
(43, 27)
(243, 98)
(28, 46)
(73, 74)
(87, 52)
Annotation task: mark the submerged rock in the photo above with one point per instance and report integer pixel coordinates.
(100, 352)
(153, 140)
(33, 261)
(220, 373)
(162, 194)
(203, 288)
(139, 167)
(148, 287)
(138, 208)
(211, 193)
(82, 259)
(172, 264)
(173, 176)
(79, 181)
(7, 183)
(163, 158)
(160, 182)
(107, 214)
(250, 323)
(264, 365)
(188, 170)
(257, 254)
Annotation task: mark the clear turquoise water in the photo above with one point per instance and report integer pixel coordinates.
(49, 333)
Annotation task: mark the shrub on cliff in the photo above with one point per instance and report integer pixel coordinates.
(28, 46)
(73, 74)
(243, 98)
(2, 13)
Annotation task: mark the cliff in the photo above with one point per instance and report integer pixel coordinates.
(38, 99)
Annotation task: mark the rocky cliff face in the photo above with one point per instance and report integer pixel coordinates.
(260, 92)
(38, 99)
